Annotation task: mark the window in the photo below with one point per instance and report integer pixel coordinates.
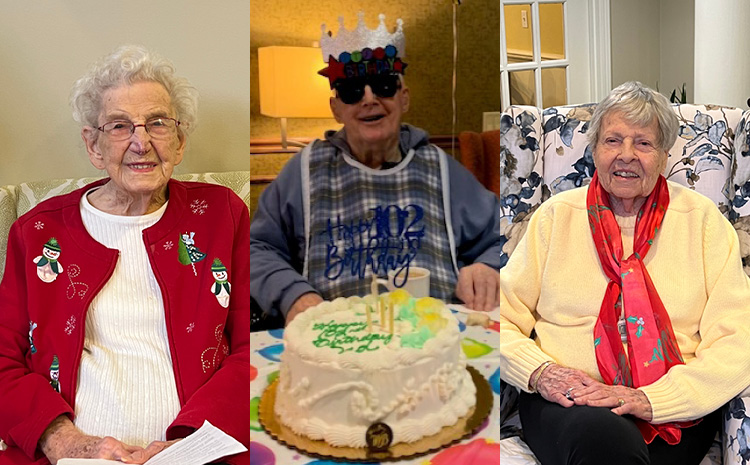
(533, 53)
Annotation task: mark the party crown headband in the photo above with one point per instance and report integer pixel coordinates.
(362, 51)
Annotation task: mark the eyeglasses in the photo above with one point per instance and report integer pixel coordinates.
(158, 128)
(352, 90)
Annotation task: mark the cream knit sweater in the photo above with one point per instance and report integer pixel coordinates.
(553, 283)
(126, 386)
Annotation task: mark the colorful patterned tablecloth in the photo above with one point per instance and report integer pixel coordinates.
(482, 349)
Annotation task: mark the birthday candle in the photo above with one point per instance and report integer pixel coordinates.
(374, 286)
(390, 317)
(382, 314)
(369, 319)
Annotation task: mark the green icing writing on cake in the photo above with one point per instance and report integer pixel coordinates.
(347, 337)
(422, 318)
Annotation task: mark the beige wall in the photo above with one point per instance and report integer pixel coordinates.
(635, 41)
(429, 55)
(46, 45)
(653, 42)
(677, 47)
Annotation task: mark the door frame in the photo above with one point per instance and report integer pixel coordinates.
(600, 49)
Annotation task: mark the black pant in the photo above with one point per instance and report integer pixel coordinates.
(582, 435)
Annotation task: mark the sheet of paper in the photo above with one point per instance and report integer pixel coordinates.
(208, 443)
(205, 445)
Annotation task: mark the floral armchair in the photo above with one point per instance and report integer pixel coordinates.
(544, 152)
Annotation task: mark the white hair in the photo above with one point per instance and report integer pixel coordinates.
(127, 65)
(639, 105)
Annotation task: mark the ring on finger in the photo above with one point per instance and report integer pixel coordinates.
(569, 393)
(620, 402)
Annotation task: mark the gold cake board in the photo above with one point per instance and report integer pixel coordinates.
(464, 427)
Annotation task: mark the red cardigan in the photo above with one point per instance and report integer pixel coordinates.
(209, 344)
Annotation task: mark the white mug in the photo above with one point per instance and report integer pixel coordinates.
(417, 283)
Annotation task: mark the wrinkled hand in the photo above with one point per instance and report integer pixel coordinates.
(479, 287)
(141, 456)
(557, 379)
(304, 302)
(636, 402)
(62, 439)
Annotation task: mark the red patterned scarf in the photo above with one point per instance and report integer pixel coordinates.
(652, 348)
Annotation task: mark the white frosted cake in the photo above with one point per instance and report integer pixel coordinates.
(340, 374)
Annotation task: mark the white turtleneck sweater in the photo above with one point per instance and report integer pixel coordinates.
(126, 387)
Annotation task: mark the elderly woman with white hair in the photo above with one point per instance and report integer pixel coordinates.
(631, 364)
(153, 338)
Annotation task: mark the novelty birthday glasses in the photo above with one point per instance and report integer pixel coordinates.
(352, 90)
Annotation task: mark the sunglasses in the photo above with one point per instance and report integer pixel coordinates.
(351, 90)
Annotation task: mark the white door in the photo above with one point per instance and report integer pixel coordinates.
(554, 52)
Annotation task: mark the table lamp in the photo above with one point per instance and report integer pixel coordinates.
(290, 86)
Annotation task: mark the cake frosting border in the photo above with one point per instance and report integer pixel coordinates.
(465, 427)
(441, 355)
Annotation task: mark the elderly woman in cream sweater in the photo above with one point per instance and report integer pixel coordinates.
(624, 307)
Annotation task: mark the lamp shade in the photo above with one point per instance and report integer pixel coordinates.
(290, 86)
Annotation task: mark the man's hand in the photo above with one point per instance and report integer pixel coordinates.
(304, 302)
(479, 287)
(62, 439)
(141, 456)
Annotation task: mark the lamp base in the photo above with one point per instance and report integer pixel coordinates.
(285, 143)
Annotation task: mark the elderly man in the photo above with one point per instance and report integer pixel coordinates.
(374, 197)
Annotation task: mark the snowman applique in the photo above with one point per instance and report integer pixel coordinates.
(54, 374)
(221, 287)
(47, 266)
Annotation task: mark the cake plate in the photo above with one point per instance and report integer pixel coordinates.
(463, 428)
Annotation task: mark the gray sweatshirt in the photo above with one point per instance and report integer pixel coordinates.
(277, 236)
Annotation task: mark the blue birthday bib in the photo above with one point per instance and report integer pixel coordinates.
(361, 221)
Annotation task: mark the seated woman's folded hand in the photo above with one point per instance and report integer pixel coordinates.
(622, 399)
(568, 387)
(556, 382)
